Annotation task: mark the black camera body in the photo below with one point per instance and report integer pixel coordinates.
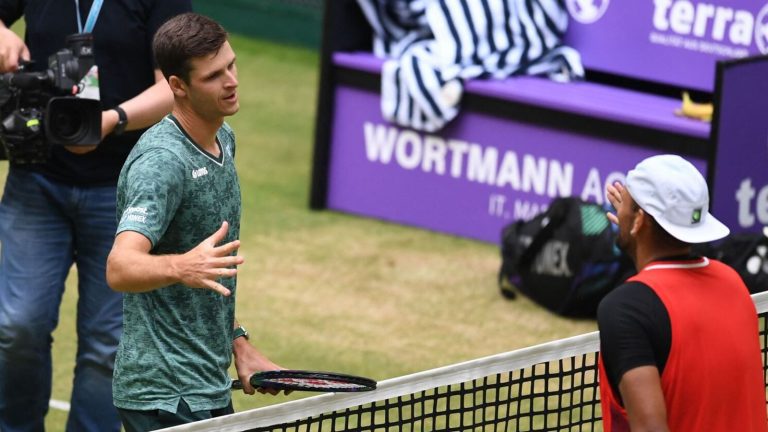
(39, 109)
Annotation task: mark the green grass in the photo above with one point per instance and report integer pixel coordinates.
(323, 290)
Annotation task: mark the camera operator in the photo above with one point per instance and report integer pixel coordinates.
(62, 211)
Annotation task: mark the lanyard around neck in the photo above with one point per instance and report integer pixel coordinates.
(92, 16)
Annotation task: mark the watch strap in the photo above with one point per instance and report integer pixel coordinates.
(122, 120)
(240, 331)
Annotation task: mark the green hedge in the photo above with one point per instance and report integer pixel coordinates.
(297, 22)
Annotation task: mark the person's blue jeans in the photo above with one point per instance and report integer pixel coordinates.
(44, 228)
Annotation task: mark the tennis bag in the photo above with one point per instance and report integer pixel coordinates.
(564, 259)
(746, 252)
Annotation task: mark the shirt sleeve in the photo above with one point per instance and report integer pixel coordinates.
(154, 183)
(634, 331)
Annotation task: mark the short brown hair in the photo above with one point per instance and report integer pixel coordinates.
(183, 38)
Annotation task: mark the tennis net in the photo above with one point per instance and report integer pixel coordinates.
(548, 387)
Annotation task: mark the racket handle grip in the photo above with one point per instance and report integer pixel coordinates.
(238, 385)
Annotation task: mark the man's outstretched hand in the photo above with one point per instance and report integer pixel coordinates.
(207, 263)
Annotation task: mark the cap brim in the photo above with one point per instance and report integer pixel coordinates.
(710, 229)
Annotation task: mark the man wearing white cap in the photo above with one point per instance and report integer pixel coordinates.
(679, 347)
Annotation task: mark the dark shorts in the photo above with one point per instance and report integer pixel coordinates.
(141, 421)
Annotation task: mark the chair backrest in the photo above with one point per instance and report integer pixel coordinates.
(669, 42)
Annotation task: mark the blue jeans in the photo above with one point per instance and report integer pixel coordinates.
(45, 227)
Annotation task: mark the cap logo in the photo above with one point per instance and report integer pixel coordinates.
(696, 216)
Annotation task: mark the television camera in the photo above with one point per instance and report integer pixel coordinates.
(40, 109)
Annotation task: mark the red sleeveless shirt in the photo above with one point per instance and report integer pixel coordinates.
(713, 378)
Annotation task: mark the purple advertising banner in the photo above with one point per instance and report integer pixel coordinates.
(741, 173)
(472, 178)
(676, 42)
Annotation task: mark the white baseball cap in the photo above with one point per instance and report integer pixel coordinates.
(674, 192)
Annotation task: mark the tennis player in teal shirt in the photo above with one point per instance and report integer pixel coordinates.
(175, 252)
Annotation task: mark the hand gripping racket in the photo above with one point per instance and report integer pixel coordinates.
(308, 381)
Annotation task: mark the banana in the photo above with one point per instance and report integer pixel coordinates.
(695, 110)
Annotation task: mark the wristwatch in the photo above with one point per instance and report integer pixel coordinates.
(122, 121)
(240, 331)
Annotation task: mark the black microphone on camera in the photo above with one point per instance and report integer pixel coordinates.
(25, 80)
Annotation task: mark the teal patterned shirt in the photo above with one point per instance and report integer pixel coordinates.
(177, 341)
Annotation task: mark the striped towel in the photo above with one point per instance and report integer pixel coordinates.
(434, 46)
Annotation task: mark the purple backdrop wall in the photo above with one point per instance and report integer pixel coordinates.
(471, 179)
(741, 173)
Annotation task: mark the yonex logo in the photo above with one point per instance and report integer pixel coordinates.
(553, 259)
(587, 11)
(761, 30)
(199, 172)
(135, 214)
(757, 263)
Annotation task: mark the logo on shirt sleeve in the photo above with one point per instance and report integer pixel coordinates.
(135, 214)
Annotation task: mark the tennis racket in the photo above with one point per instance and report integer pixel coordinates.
(308, 381)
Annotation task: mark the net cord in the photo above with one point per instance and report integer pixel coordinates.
(407, 384)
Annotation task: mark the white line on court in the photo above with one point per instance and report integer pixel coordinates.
(59, 405)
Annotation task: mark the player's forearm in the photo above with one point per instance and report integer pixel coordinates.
(146, 108)
(248, 356)
(149, 107)
(135, 271)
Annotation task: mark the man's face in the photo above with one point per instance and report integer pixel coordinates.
(626, 213)
(212, 89)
